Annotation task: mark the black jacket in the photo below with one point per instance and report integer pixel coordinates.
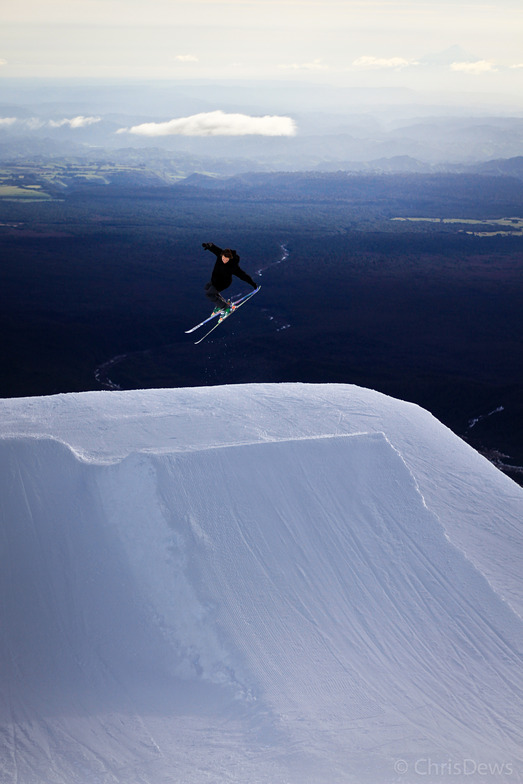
(221, 277)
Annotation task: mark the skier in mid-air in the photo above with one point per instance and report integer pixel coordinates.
(227, 264)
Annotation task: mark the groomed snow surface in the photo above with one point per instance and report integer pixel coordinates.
(255, 584)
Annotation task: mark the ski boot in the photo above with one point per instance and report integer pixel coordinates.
(225, 309)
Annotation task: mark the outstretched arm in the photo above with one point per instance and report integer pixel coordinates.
(244, 276)
(212, 247)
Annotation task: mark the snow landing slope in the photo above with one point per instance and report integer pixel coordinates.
(292, 584)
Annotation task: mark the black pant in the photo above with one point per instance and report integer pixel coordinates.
(214, 295)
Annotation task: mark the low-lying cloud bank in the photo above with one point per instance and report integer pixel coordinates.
(380, 63)
(217, 123)
(477, 67)
(75, 122)
(35, 124)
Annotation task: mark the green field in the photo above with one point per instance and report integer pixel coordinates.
(29, 193)
(501, 226)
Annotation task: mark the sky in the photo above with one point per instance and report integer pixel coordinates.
(340, 42)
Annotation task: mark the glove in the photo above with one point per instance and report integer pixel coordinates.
(206, 245)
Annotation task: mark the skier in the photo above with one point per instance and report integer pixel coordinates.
(227, 264)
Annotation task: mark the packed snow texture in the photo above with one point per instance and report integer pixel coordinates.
(255, 584)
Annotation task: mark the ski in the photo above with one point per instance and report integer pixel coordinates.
(234, 303)
(209, 318)
(223, 316)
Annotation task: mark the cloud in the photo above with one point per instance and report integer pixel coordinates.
(74, 122)
(186, 58)
(2, 61)
(33, 123)
(217, 123)
(375, 63)
(36, 124)
(315, 65)
(517, 65)
(476, 68)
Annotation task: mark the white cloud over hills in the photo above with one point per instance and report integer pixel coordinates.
(35, 123)
(383, 62)
(476, 68)
(217, 123)
(74, 122)
(186, 58)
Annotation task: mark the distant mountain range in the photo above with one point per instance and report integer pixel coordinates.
(357, 130)
(502, 167)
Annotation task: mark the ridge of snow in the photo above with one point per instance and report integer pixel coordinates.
(163, 421)
(267, 583)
